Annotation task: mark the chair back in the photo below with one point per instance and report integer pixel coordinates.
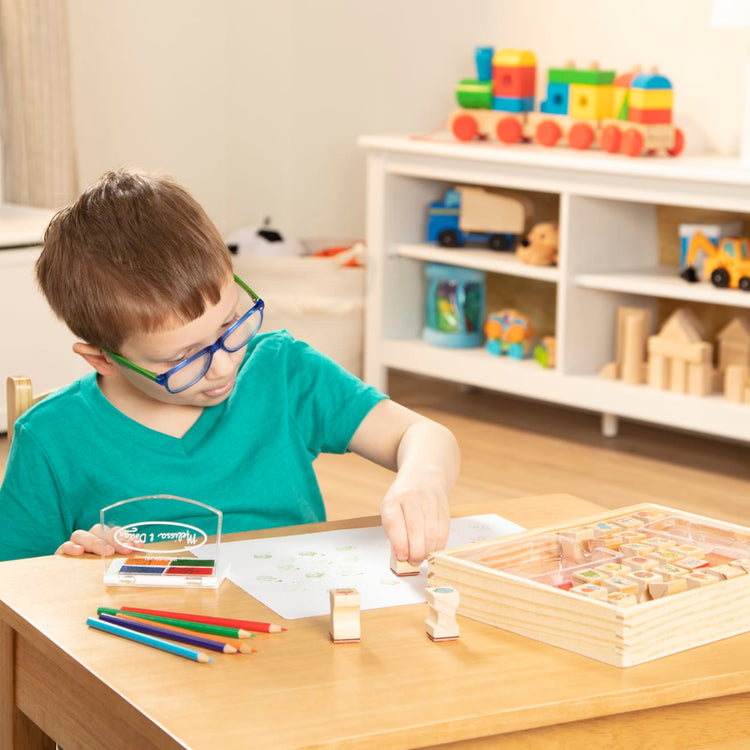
(20, 398)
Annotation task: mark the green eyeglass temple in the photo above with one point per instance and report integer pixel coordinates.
(163, 378)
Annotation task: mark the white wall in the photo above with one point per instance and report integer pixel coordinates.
(255, 105)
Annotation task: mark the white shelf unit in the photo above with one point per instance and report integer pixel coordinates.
(609, 257)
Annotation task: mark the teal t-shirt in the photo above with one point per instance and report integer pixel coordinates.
(250, 456)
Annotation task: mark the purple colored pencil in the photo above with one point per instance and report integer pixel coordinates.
(172, 635)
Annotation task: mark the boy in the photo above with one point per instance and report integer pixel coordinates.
(187, 397)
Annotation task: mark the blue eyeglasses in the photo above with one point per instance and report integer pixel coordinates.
(191, 370)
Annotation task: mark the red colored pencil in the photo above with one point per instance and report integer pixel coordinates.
(258, 627)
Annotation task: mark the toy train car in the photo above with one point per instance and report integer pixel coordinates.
(630, 113)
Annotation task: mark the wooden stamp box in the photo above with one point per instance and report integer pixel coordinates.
(525, 583)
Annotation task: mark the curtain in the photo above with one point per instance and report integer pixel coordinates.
(36, 120)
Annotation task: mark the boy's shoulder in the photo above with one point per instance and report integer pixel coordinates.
(60, 404)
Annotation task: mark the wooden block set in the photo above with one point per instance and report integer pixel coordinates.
(624, 588)
(677, 358)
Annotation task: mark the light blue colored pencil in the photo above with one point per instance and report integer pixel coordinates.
(148, 640)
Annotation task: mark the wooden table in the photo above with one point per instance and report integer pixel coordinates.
(395, 689)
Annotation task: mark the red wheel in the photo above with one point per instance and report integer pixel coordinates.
(464, 127)
(610, 138)
(509, 130)
(581, 136)
(632, 142)
(679, 143)
(548, 133)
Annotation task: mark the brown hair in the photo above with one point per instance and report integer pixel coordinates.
(133, 253)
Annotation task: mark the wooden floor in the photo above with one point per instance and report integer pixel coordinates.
(512, 447)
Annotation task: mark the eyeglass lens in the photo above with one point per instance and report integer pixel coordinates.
(193, 371)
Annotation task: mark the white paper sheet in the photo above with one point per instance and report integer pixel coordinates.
(292, 574)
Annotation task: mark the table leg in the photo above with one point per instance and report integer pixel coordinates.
(17, 731)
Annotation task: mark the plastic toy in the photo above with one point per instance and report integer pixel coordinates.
(455, 306)
(546, 352)
(630, 113)
(540, 246)
(472, 214)
(509, 332)
(726, 264)
(713, 231)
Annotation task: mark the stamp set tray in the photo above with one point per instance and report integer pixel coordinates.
(560, 585)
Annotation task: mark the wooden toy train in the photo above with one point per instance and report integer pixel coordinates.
(630, 113)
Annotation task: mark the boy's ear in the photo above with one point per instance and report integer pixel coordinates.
(95, 357)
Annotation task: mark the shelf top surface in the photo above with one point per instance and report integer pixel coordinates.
(707, 168)
(22, 225)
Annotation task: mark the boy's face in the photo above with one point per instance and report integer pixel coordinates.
(159, 351)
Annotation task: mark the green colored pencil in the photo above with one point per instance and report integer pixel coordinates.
(200, 627)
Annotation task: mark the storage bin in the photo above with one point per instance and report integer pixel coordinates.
(315, 299)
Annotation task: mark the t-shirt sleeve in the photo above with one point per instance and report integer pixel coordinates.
(32, 519)
(328, 401)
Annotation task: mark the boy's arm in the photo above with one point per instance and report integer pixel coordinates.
(415, 510)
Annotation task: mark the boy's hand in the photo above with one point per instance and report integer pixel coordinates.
(416, 518)
(91, 541)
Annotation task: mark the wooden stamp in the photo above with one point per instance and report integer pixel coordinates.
(726, 571)
(639, 562)
(589, 575)
(691, 563)
(744, 564)
(669, 572)
(657, 589)
(621, 599)
(631, 549)
(688, 550)
(403, 568)
(643, 578)
(620, 585)
(345, 626)
(666, 556)
(591, 590)
(441, 622)
(659, 543)
(699, 578)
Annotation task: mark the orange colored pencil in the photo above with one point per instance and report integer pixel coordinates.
(238, 643)
(259, 627)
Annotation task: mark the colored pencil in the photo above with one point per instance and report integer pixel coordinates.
(191, 639)
(260, 627)
(147, 640)
(198, 626)
(241, 644)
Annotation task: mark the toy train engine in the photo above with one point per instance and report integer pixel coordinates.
(630, 113)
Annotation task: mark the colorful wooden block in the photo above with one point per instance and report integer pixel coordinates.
(651, 98)
(474, 94)
(557, 101)
(441, 622)
(592, 76)
(589, 102)
(513, 103)
(649, 116)
(344, 623)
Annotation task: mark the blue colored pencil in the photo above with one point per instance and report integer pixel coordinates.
(147, 640)
(170, 635)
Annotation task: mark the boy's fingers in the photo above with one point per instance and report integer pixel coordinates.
(394, 527)
(70, 548)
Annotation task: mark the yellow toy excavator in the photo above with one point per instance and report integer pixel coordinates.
(726, 265)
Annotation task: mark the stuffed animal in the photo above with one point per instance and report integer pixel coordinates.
(539, 248)
(263, 241)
